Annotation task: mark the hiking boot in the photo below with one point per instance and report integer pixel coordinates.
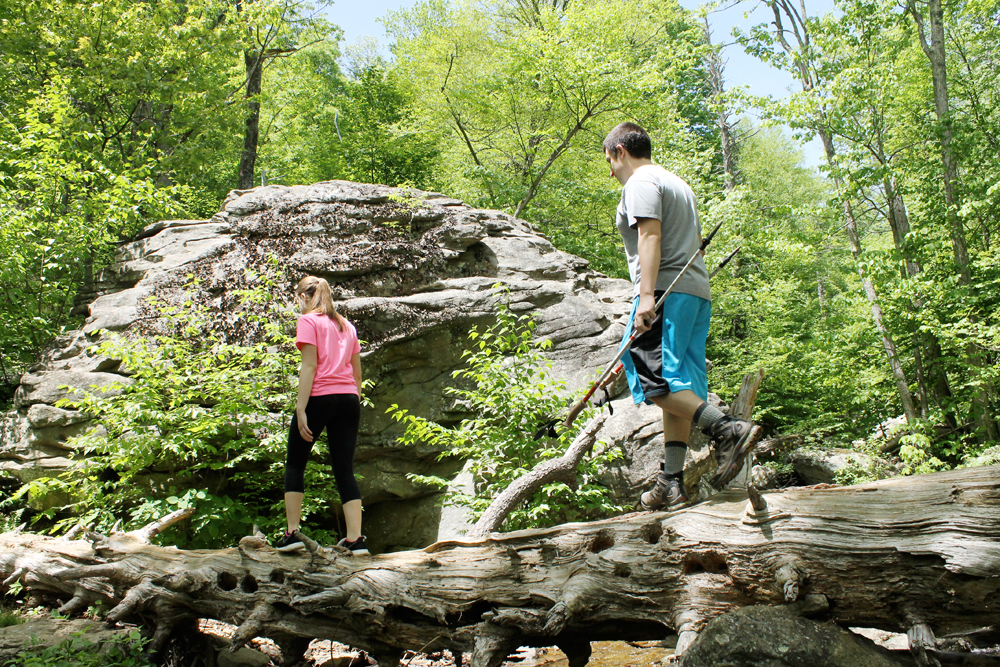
(290, 542)
(733, 439)
(357, 547)
(669, 492)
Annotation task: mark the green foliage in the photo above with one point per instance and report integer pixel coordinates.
(988, 457)
(15, 588)
(53, 192)
(867, 86)
(521, 99)
(113, 116)
(871, 468)
(789, 302)
(202, 423)
(507, 390)
(9, 618)
(125, 650)
(357, 126)
(149, 84)
(919, 451)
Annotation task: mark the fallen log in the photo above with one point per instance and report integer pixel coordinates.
(916, 554)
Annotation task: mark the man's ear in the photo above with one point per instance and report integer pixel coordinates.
(620, 151)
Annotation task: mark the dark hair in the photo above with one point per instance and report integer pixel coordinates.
(632, 138)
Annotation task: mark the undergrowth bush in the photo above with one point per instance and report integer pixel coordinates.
(508, 391)
(125, 650)
(9, 617)
(869, 468)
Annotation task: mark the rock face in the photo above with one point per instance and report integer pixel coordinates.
(821, 466)
(413, 270)
(771, 637)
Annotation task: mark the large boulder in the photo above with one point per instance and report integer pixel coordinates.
(413, 270)
(820, 466)
(761, 636)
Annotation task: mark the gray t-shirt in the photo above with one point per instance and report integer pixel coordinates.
(654, 192)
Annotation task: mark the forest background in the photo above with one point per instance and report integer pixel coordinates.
(867, 289)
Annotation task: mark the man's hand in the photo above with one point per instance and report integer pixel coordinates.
(645, 313)
(304, 431)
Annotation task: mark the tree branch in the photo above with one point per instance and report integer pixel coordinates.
(548, 471)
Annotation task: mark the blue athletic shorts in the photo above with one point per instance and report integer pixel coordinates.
(670, 357)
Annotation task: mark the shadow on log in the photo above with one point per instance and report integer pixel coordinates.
(896, 554)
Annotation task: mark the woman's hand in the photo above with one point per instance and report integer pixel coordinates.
(303, 423)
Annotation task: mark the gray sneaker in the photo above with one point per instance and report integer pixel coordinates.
(733, 439)
(669, 492)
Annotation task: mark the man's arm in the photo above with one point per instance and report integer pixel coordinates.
(649, 268)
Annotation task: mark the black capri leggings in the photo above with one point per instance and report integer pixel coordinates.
(340, 415)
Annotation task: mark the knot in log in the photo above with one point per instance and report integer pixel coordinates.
(757, 501)
(789, 579)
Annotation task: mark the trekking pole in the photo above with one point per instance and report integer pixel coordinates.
(725, 261)
(582, 403)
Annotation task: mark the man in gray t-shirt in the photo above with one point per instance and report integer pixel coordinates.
(658, 221)
(655, 193)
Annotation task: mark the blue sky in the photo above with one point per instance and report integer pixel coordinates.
(361, 18)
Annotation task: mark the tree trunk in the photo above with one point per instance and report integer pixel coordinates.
(902, 386)
(523, 487)
(889, 554)
(934, 49)
(713, 62)
(935, 52)
(802, 60)
(927, 350)
(248, 159)
(746, 398)
(589, 112)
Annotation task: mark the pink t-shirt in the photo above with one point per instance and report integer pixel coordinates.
(334, 349)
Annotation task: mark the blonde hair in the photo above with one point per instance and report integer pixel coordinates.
(317, 298)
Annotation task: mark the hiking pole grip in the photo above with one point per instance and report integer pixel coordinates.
(575, 411)
(578, 407)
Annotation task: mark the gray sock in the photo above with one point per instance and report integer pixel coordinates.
(673, 457)
(708, 415)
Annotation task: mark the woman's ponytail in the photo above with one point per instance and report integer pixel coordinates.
(317, 298)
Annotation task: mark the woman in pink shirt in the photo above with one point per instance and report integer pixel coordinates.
(329, 397)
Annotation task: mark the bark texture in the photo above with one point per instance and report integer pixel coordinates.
(891, 554)
(254, 61)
